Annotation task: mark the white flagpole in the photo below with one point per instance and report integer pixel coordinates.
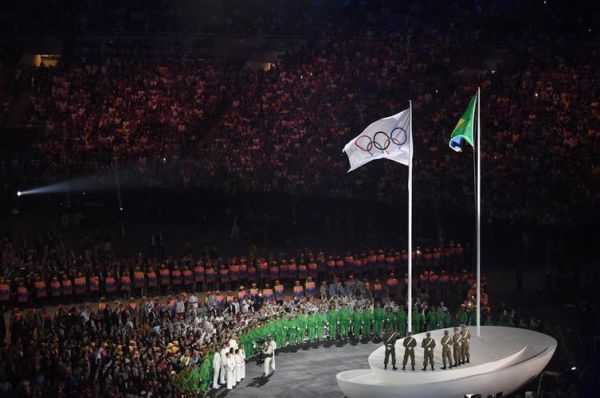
(410, 155)
(478, 217)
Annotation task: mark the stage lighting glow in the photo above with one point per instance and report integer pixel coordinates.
(574, 368)
(80, 185)
(120, 209)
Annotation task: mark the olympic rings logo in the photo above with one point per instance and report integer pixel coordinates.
(381, 141)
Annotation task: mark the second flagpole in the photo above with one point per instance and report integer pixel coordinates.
(410, 165)
(478, 211)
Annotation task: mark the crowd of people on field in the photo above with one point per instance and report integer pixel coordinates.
(162, 347)
(190, 343)
(45, 271)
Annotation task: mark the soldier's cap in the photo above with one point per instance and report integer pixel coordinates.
(428, 334)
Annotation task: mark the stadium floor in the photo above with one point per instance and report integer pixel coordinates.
(303, 372)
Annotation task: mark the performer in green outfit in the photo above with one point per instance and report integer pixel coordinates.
(285, 332)
(378, 316)
(401, 321)
(344, 319)
(461, 316)
(447, 320)
(357, 320)
(279, 334)
(367, 327)
(293, 331)
(206, 373)
(389, 321)
(417, 321)
(432, 319)
(246, 341)
(332, 322)
(302, 322)
(312, 327)
(272, 328)
(321, 323)
(192, 380)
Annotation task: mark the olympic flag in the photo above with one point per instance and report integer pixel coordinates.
(387, 138)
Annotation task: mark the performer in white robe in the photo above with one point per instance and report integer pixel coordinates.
(233, 359)
(216, 370)
(238, 366)
(230, 366)
(233, 342)
(223, 375)
(243, 356)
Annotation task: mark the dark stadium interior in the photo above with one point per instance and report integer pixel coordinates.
(149, 135)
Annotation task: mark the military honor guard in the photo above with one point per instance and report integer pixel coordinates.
(389, 341)
(466, 339)
(409, 344)
(456, 347)
(428, 344)
(446, 351)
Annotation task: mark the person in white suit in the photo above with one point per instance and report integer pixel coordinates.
(223, 375)
(238, 366)
(230, 366)
(243, 356)
(216, 370)
(269, 353)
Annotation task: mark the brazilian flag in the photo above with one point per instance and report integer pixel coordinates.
(464, 128)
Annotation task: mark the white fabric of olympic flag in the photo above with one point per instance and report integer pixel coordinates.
(387, 138)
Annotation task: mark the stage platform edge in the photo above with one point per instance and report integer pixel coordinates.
(502, 360)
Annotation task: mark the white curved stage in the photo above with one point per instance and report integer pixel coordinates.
(502, 360)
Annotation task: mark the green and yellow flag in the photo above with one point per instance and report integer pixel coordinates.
(464, 128)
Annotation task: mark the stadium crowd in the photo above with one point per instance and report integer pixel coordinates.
(217, 125)
(205, 124)
(153, 113)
